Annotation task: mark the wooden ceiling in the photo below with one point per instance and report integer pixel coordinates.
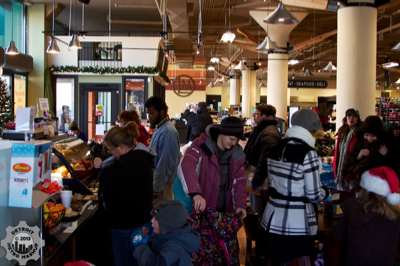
(314, 39)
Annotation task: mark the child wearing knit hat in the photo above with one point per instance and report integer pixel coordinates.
(370, 226)
(173, 242)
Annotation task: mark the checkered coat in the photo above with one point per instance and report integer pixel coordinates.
(293, 177)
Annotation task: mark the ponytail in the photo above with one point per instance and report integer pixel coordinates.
(126, 135)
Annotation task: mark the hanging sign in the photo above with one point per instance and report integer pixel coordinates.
(320, 84)
(44, 104)
(183, 85)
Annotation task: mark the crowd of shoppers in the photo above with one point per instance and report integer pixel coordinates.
(275, 179)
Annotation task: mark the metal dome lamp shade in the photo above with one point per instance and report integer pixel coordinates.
(330, 67)
(12, 49)
(266, 44)
(281, 16)
(75, 43)
(228, 36)
(53, 47)
(396, 48)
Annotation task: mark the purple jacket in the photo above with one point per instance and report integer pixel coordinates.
(202, 174)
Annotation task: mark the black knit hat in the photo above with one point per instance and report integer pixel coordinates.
(230, 126)
(170, 215)
(374, 125)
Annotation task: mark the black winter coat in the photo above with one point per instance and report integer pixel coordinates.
(367, 239)
(264, 137)
(126, 189)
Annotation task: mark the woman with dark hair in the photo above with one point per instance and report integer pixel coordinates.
(126, 189)
(346, 140)
(127, 116)
(213, 171)
(370, 228)
(372, 150)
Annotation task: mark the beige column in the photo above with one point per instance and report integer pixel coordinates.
(277, 85)
(277, 62)
(356, 61)
(234, 90)
(249, 84)
(246, 93)
(253, 90)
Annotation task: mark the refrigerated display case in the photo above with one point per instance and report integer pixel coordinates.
(73, 165)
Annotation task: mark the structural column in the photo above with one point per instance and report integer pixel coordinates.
(234, 88)
(248, 92)
(356, 61)
(277, 86)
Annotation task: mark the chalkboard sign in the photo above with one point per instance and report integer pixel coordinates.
(308, 83)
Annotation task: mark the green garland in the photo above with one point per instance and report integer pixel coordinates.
(104, 70)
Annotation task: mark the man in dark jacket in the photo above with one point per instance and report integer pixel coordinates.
(199, 122)
(174, 241)
(264, 136)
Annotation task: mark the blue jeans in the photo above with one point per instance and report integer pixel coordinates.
(122, 247)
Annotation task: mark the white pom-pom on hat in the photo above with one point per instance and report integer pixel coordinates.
(393, 198)
(382, 181)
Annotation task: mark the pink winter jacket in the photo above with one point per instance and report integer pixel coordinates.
(202, 174)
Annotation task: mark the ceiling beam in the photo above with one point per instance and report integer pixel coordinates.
(313, 41)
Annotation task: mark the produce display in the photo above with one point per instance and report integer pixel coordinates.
(49, 187)
(52, 214)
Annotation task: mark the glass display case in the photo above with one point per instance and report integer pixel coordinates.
(73, 164)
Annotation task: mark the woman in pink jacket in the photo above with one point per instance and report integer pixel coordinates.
(214, 176)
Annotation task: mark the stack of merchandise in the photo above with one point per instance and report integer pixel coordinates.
(389, 110)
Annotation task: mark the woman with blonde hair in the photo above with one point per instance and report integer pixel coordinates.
(126, 189)
(370, 226)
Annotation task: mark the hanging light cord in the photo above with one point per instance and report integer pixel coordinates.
(70, 14)
(52, 29)
(83, 18)
(109, 20)
(200, 26)
(229, 14)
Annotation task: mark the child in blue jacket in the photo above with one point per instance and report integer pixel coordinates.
(173, 242)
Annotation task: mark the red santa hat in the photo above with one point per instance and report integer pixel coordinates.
(382, 181)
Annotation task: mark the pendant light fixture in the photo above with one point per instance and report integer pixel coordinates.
(74, 43)
(281, 16)
(12, 48)
(330, 67)
(228, 36)
(241, 66)
(53, 46)
(396, 48)
(266, 45)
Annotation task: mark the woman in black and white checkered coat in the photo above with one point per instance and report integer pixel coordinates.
(292, 171)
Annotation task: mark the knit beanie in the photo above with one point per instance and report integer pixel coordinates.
(307, 119)
(170, 215)
(382, 181)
